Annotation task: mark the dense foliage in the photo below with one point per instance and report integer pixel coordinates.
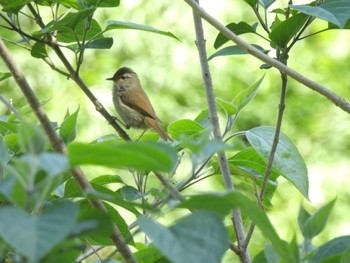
(135, 199)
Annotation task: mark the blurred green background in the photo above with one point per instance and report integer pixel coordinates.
(170, 74)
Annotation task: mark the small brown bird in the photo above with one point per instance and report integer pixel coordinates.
(132, 103)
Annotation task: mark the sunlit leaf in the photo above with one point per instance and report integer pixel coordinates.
(287, 159)
(112, 24)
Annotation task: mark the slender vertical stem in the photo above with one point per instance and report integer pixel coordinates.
(236, 214)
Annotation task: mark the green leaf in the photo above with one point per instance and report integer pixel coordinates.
(334, 11)
(238, 29)
(303, 216)
(72, 19)
(31, 137)
(12, 143)
(184, 128)
(130, 193)
(69, 36)
(100, 43)
(112, 24)
(285, 31)
(330, 249)
(266, 3)
(39, 234)
(229, 108)
(246, 95)
(68, 128)
(13, 6)
(209, 202)
(38, 50)
(53, 163)
(150, 255)
(5, 75)
(249, 207)
(233, 50)
(72, 189)
(154, 156)
(287, 161)
(203, 118)
(104, 3)
(199, 237)
(249, 164)
(317, 222)
(7, 127)
(252, 3)
(107, 179)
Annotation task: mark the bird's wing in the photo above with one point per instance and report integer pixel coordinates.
(139, 102)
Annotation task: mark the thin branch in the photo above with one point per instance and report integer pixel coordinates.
(214, 119)
(58, 145)
(337, 100)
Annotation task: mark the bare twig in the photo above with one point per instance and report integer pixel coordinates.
(58, 145)
(337, 100)
(214, 119)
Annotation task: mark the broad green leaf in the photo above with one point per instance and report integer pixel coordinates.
(72, 189)
(229, 108)
(12, 142)
(285, 31)
(252, 3)
(31, 137)
(199, 237)
(152, 156)
(38, 50)
(207, 202)
(53, 163)
(100, 237)
(334, 11)
(39, 234)
(13, 6)
(345, 258)
(233, 50)
(100, 43)
(271, 255)
(107, 179)
(130, 193)
(68, 128)
(238, 29)
(332, 248)
(288, 161)
(317, 222)
(203, 118)
(246, 95)
(238, 200)
(180, 128)
(7, 127)
(150, 255)
(72, 19)
(112, 24)
(249, 164)
(5, 75)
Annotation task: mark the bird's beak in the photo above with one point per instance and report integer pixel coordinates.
(110, 78)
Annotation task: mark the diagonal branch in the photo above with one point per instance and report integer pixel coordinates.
(334, 98)
(58, 145)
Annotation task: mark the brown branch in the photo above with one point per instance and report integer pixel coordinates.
(58, 145)
(214, 119)
(334, 98)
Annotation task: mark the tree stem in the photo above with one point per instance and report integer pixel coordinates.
(214, 119)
